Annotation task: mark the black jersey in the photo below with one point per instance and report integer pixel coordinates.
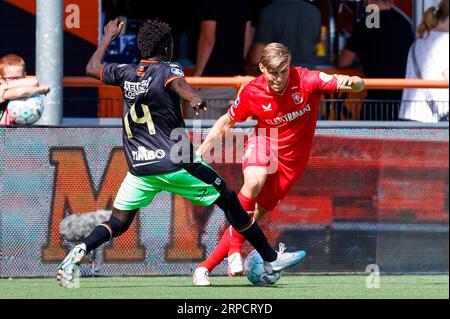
(154, 135)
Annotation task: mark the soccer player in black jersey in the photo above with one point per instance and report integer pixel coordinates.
(157, 147)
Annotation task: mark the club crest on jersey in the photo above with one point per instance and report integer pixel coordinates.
(140, 71)
(297, 98)
(267, 108)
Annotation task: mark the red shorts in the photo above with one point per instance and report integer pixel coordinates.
(282, 173)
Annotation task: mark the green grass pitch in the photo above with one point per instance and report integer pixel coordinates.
(181, 287)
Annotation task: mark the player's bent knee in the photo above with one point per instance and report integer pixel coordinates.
(252, 187)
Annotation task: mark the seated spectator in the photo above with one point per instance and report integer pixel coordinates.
(14, 84)
(429, 59)
(382, 52)
(295, 23)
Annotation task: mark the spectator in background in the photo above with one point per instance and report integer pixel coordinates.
(428, 59)
(225, 38)
(14, 84)
(383, 53)
(295, 23)
(256, 7)
(224, 42)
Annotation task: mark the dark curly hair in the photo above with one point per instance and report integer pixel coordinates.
(154, 39)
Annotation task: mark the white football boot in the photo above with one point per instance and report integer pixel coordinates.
(235, 265)
(201, 277)
(68, 268)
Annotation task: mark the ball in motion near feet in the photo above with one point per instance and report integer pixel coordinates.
(256, 271)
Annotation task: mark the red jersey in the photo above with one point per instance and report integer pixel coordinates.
(293, 112)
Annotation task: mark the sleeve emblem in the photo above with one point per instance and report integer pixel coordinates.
(325, 77)
(177, 71)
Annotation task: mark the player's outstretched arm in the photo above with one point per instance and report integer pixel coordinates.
(219, 128)
(112, 30)
(348, 83)
(187, 93)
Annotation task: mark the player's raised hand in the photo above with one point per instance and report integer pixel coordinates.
(113, 28)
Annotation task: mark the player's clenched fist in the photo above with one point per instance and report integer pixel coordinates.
(349, 83)
(113, 28)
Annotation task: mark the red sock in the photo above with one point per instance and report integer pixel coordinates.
(248, 204)
(231, 240)
(237, 239)
(219, 253)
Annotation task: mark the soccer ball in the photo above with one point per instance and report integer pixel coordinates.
(26, 110)
(256, 272)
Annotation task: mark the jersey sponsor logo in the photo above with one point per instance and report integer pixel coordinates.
(134, 88)
(298, 99)
(218, 181)
(289, 116)
(325, 77)
(177, 71)
(267, 108)
(142, 154)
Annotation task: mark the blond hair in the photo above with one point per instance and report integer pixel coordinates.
(274, 56)
(432, 17)
(10, 60)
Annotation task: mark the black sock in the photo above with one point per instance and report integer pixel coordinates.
(98, 236)
(242, 222)
(256, 237)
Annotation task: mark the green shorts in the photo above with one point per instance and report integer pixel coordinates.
(200, 188)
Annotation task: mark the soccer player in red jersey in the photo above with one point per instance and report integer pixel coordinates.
(286, 99)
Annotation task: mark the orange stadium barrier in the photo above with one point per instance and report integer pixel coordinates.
(110, 98)
(238, 81)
